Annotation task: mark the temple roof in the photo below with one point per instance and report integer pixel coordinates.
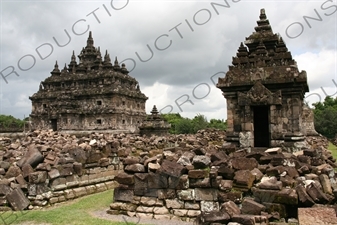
(92, 74)
(263, 56)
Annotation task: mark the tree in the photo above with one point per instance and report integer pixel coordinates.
(218, 124)
(7, 121)
(326, 117)
(181, 125)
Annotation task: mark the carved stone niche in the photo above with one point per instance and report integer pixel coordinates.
(259, 95)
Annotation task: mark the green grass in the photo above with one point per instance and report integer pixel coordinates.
(76, 212)
(333, 149)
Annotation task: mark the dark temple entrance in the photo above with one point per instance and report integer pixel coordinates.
(54, 124)
(261, 126)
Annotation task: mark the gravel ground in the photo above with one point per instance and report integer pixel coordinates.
(126, 219)
(119, 218)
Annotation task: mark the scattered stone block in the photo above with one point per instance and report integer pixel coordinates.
(251, 207)
(123, 195)
(197, 173)
(17, 199)
(33, 157)
(231, 208)
(201, 161)
(245, 178)
(171, 168)
(124, 178)
(209, 194)
(186, 195)
(209, 206)
(303, 196)
(244, 163)
(135, 168)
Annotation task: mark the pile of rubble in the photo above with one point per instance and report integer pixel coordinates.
(212, 184)
(46, 167)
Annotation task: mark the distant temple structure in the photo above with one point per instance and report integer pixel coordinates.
(154, 124)
(265, 91)
(90, 95)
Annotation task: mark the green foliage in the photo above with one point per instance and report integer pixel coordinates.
(10, 121)
(326, 117)
(333, 150)
(181, 125)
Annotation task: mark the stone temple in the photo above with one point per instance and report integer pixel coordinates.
(265, 91)
(90, 95)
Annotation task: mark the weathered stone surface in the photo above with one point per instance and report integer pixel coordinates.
(226, 172)
(197, 173)
(124, 178)
(17, 199)
(257, 173)
(183, 182)
(186, 195)
(123, 206)
(199, 183)
(33, 157)
(4, 189)
(208, 194)
(287, 196)
(244, 219)
(150, 201)
(123, 195)
(174, 204)
(135, 168)
(270, 183)
(262, 195)
(38, 177)
(303, 196)
(13, 171)
(157, 181)
(244, 177)
(251, 207)
(166, 194)
(326, 184)
(171, 168)
(180, 212)
(226, 185)
(191, 205)
(131, 160)
(209, 206)
(140, 181)
(316, 194)
(193, 213)
(153, 167)
(231, 208)
(26, 170)
(201, 161)
(317, 216)
(214, 216)
(244, 163)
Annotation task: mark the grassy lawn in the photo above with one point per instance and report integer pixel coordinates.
(74, 212)
(333, 149)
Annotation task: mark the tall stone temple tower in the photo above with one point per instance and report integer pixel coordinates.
(90, 95)
(264, 91)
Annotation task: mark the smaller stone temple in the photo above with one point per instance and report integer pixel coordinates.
(264, 91)
(90, 95)
(154, 124)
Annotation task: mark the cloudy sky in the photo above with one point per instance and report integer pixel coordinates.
(175, 49)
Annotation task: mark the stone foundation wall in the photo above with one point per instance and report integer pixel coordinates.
(43, 168)
(216, 185)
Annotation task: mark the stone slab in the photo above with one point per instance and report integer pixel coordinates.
(317, 216)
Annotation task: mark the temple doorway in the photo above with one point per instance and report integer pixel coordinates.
(261, 126)
(54, 124)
